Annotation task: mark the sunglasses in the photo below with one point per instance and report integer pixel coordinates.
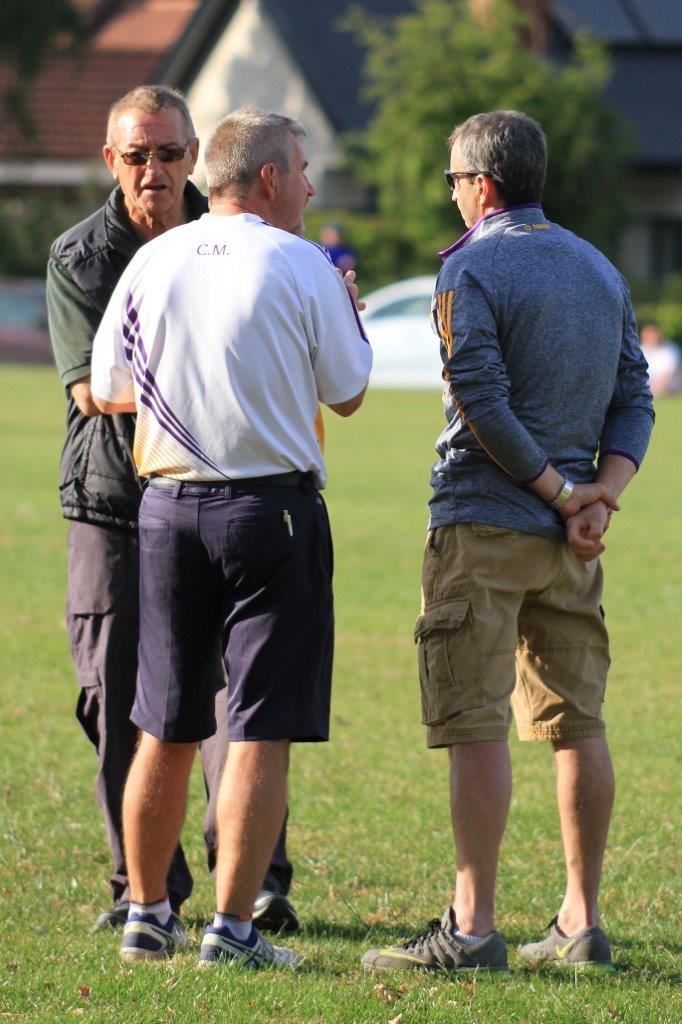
(452, 177)
(166, 154)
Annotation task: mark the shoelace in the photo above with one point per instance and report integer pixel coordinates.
(432, 928)
(265, 946)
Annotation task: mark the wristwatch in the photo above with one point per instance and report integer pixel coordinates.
(562, 497)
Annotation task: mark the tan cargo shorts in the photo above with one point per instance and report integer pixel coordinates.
(509, 621)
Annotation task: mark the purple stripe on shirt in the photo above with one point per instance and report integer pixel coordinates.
(623, 455)
(323, 249)
(537, 475)
(139, 351)
(151, 395)
(148, 376)
(168, 419)
(134, 319)
(149, 399)
(325, 253)
(357, 318)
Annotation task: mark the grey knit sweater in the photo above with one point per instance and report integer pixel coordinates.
(541, 362)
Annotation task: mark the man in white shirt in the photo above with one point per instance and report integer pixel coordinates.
(663, 360)
(223, 335)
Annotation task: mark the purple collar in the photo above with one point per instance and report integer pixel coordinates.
(481, 220)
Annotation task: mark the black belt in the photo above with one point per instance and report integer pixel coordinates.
(254, 483)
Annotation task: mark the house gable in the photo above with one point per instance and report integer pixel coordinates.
(251, 65)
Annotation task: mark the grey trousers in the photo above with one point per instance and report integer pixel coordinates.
(102, 618)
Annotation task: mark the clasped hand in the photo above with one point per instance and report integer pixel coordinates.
(587, 515)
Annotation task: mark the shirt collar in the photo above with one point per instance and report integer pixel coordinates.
(500, 219)
(252, 218)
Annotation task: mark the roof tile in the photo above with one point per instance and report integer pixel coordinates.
(69, 101)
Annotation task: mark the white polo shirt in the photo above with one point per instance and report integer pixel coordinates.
(226, 332)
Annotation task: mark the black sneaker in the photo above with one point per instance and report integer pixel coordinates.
(587, 948)
(114, 918)
(437, 949)
(272, 912)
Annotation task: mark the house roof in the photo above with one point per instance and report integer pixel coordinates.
(618, 22)
(644, 38)
(69, 104)
(153, 25)
(69, 100)
(167, 40)
(332, 61)
(646, 88)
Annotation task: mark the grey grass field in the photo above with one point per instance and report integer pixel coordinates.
(369, 830)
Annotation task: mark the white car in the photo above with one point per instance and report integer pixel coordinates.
(406, 351)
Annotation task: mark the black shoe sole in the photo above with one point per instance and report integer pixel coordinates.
(277, 916)
(110, 920)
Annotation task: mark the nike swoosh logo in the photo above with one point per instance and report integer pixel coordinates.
(563, 951)
(401, 956)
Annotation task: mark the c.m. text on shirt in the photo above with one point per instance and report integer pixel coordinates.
(206, 249)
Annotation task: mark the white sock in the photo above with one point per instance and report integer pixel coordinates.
(240, 929)
(161, 910)
(469, 940)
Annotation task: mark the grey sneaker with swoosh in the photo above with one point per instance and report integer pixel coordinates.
(587, 948)
(437, 949)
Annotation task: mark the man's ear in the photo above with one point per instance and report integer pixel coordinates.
(486, 192)
(268, 179)
(109, 155)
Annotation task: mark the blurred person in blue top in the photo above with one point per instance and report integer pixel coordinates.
(342, 256)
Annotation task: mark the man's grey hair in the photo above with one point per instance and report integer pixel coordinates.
(151, 99)
(510, 148)
(241, 144)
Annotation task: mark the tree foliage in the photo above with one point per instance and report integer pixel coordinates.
(28, 29)
(430, 70)
(30, 221)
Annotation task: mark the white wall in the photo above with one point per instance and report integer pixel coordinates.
(250, 65)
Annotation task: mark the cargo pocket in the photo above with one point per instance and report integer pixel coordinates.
(449, 661)
(90, 706)
(98, 568)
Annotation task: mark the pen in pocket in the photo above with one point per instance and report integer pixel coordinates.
(289, 524)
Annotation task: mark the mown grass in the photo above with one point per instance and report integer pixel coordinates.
(369, 829)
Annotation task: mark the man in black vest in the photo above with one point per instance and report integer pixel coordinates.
(151, 150)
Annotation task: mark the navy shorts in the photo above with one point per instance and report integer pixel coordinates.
(246, 569)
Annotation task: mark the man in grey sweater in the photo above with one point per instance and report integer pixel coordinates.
(548, 416)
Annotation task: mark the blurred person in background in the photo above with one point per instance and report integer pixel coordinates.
(548, 416)
(343, 257)
(150, 149)
(663, 359)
